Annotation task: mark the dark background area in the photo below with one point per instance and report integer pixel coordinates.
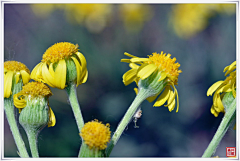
(28, 33)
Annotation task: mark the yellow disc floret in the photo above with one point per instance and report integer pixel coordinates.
(36, 89)
(96, 135)
(15, 66)
(59, 51)
(166, 64)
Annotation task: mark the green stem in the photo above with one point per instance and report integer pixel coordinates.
(142, 95)
(32, 139)
(71, 91)
(222, 129)
(9, 110)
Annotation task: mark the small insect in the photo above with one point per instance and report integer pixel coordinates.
(137, 116)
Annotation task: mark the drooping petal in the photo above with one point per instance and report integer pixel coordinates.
(60, 74)
(175, 90)
(230, 68)
(225, 88)
(146, 71)
(84, 78)
(82, 60)
(25, 76)
(47, 77)
(171, 98)
(233, 90)
(129, 76)
(52, 118)
(134, 66)
(17, 76)
(163, 97)
(36, 73)
(19, 101)
(78, 68)
(8, 77)
(51, 70)
(214, 87)
(172, 105)
(152, 98)
(136, 90)
(214, 112)
(219, 104)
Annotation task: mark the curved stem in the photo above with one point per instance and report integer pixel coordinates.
(9, 110)
(142, 95)
(32, 139)
(71, 91)
(222, 129)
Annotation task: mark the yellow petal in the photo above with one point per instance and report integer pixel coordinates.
(60, 74)
(139, 60)
(17, 75)
(226, 88)
(52, 118)
(136, 90)
(230, 67)
(82, 60)
(172, 105)
(51, 70)
(233, 91)
(125, 60)
(25, 76)
(8, 84)
(214, 112)
(36, 73)
(19, 102)
(214, 87)
(171, 98)
(129, 75)
(163, 76)
(47, 77)
(163, 97)
(134, 66)
(146, 71)
(175, 90)
(219, 104)
(127, 54)
(79, 70)
(230, 70)
(84, 78)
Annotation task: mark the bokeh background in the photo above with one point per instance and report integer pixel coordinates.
(201, 37)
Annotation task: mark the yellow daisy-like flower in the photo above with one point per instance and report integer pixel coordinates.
(96, 135)
(14, 70)
(221, 87)
(35, 94)
(166, 71)
(61, 64)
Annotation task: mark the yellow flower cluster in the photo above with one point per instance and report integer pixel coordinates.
(189, 19)
(157, 63)
(17, 70)
(96, 135)
(53, 69)
(32, 91)
(221, 87)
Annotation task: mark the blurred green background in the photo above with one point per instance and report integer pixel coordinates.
(203, 40)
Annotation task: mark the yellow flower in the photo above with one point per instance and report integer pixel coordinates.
(222, 87)
(189, 19)
(35, 94)
(14, 70)
(160, 67)
(96, 135)
(135, 15)
(61, 64)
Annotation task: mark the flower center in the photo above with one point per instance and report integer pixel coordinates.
(15, 66)
(166, 64)
(36, 89)
(59, 51)
(96, 135)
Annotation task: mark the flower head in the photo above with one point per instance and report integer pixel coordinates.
(14, 70)
(221, 87)
(96, 135)
(34, 96)
(155, 71)
(61, 64)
